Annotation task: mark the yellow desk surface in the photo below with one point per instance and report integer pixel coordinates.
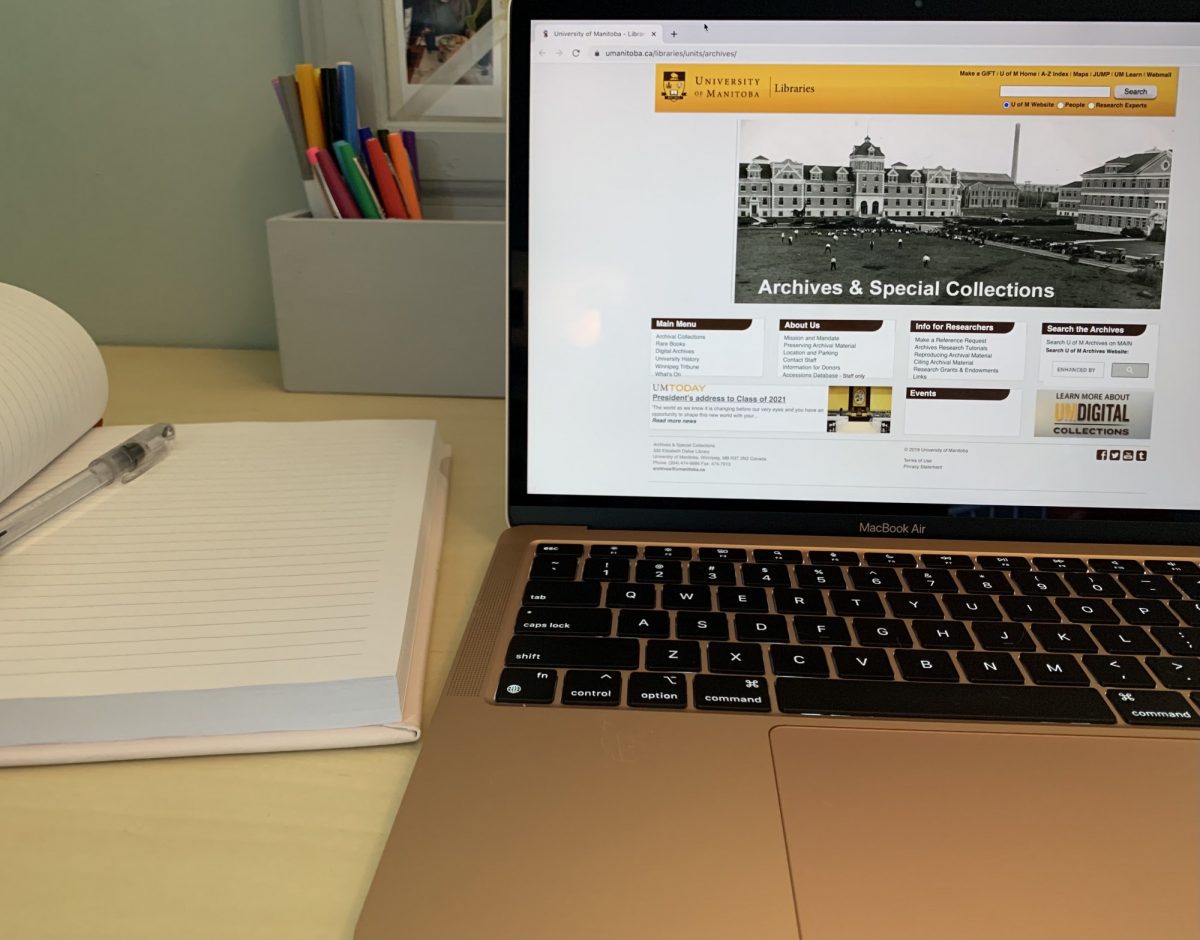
(263, 846)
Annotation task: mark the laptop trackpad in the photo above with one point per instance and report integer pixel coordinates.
(965, 835)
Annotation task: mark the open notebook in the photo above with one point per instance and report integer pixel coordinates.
(268, 586)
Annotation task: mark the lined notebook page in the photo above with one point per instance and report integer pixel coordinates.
(253, 554)
(53, 386)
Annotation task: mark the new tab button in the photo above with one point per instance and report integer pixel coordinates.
(1148, 92)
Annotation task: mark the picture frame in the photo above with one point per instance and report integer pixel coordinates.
(462, 158)
(445, 59)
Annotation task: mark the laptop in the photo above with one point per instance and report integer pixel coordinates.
(852, 588)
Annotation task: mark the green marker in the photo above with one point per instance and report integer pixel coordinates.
(356, 179)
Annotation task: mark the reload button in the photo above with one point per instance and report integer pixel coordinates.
(1147, 92)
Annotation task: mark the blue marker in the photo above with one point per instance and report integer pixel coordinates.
(364, 134)
(347, 106)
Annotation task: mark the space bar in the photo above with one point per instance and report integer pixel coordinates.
(929, 700)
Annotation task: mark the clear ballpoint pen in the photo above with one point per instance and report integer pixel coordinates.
(124, 462)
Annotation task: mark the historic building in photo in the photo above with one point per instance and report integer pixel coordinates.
(1126, 192)
(988, 191)
(1068, 199)
(863, 187)
(1037, 195)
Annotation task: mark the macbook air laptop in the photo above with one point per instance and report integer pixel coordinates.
(853, 582)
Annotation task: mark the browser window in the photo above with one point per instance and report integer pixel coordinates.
(905, 262)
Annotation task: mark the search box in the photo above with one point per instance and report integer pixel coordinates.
(1055, 91)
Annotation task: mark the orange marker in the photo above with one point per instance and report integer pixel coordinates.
(385, 181)
(404, 174)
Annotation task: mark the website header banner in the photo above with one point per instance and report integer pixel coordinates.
(1127, 91)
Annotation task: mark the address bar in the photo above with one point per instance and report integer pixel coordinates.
(1055, 91)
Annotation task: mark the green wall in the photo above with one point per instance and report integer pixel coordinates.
(141, 151)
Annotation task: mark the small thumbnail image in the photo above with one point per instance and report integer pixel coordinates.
(859, 409)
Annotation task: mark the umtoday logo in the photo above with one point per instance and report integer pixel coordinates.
(892, 528)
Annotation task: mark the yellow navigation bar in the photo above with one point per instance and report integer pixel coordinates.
(918, 89)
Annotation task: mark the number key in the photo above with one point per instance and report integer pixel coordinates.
(767, 575)
(817, 577)
(984, 582)
(605, 569)
(711, 572)
(669, 572)
(929, 579)
(874, 579)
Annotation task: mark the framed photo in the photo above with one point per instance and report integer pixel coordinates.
(445, 59)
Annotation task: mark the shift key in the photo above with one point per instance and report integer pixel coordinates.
(576, 621)
(562, 594)
(568, 651)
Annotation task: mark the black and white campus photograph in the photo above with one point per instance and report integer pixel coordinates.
(1061, 212)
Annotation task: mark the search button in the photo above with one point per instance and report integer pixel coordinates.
(1130, 370)
(1146, 92)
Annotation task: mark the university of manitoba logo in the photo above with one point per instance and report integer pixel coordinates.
(674, 85)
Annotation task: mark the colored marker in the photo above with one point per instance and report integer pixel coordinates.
(349, 109)
(410, 144)
(330, 108)
(338, 192)
(310, 105)
(356, 179)
(364, 134)
(404, 174)
(331, 206)
(385, 182)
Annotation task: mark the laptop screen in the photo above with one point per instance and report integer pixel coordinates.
(901, 263)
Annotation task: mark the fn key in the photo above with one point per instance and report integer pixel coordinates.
(527, 686)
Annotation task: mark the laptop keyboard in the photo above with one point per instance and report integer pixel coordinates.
(879, 634)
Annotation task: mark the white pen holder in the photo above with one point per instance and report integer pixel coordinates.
(391, 307)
